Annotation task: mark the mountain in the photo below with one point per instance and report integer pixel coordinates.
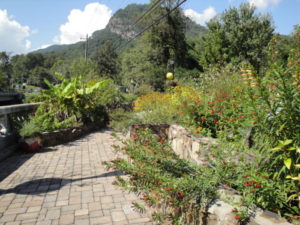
(118, 30)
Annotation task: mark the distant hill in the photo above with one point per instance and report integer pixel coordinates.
(117, 30)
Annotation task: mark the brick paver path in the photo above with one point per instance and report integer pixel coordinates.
(66, 184)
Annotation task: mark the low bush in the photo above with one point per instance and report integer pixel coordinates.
(178, 188)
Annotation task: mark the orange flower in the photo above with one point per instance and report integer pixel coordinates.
(272, 87)
(168, 188)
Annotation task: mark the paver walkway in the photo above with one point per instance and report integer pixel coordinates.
(66, 184)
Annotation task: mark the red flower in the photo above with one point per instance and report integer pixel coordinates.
(158, 182)
(257, 185)
(181, 194)
(203, 118)
(216, 122)
(237, 217)
(249, 184)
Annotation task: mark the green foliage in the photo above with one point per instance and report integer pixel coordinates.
(167, 39)
(235, 36)
(107, 61)
(5, 71)
(32, 69)
(72, 103)
(256, 118)
(139, 69)
(3, 81)
(279, 91)
(180, 188)
(30, 128)
(80, 67)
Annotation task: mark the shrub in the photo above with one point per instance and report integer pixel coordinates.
(71, 103)
(179, 188)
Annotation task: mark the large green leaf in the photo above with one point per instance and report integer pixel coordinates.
(91, 89)
(288, 162)
(48, 83)
(66, 91)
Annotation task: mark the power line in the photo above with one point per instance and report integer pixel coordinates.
(153, 7)
(147, 12)
(151, 25)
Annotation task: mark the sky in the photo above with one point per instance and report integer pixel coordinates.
(28, 25)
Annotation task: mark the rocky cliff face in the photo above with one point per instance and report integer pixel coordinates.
(117, 30)
(118, 26)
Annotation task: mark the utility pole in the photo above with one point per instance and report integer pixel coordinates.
(86, 46)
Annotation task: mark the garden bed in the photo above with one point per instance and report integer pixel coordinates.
(65, 135)
(196, 150)
(47, 139)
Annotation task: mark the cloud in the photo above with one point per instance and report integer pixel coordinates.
(201, 18)
(13, 35)
(44, 46)
(27, 44)
(263, 4)
(95, 16)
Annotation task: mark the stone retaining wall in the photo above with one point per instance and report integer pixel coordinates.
(195, 149)
(65, 135)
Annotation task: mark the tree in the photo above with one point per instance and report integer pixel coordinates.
(137, 68)
(38, 77)
(5, 70)
(237, 35)
(107, 60)
(163, 45)
(167, 38)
